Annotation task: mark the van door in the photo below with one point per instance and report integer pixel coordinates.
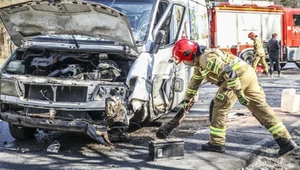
(164, 70)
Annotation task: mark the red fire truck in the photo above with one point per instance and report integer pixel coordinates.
(231, 23)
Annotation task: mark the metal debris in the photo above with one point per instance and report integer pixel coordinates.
(54, 147)
(241, 114)
(237, 114)
(101, 137)
(23, 150)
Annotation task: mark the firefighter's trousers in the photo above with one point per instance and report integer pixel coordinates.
(225, 99)
(260, 60)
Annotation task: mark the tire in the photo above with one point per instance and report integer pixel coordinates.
(248, 57)
(297, 64)
(21, 133)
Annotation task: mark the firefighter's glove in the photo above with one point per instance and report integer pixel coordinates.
(241, 97)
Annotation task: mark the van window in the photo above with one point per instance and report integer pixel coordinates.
(296, 20)
(138, 12)
(198, 23)
(173, 24)
(162, 6)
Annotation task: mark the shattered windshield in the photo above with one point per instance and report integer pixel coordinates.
(138, 13)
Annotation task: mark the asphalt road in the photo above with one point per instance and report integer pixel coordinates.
(245, 137)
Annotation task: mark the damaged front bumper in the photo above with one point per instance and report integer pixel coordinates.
(91, 107)
(97, 132)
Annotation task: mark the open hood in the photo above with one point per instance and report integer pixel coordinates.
(25, 21)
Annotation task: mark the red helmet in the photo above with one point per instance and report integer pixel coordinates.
(185, 50)
(252, 35)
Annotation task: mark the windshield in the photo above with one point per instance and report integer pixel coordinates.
(138, 13)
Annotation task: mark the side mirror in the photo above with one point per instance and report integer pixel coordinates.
(157, 42)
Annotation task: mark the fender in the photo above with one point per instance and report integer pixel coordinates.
(138, 77)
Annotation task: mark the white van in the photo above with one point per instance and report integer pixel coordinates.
(95, 66)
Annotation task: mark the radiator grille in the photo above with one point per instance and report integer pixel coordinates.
(62, 93)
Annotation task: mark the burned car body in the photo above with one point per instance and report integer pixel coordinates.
(86, 67)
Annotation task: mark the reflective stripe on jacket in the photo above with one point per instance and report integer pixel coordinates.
(212, 66)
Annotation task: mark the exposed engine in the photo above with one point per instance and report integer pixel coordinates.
(83, 66)
(89, 74)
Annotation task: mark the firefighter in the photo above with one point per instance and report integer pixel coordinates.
(259, 53)
(237, 81)
(273, 50)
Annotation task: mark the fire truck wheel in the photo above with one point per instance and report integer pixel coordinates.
(248, 57)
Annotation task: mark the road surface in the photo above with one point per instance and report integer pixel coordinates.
(245, 138)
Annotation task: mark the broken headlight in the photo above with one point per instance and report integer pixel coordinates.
(8, 87)
(105, 91)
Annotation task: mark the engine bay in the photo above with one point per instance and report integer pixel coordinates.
(94, 66)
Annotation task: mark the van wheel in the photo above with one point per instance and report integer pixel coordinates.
(21, 133)
(248, 57)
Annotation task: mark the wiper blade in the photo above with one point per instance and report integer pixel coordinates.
(112, 3)
(76, 43)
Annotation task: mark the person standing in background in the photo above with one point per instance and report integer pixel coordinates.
(259, 53)
(273, 50)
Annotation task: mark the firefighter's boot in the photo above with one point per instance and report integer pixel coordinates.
(285, 145)
(210, 147)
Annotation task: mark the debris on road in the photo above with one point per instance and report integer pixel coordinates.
(54, 147)
(242, 114)
(23, 150)
(233, 115)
